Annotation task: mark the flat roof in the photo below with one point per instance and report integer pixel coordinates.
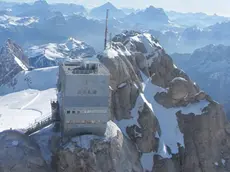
(84, 67)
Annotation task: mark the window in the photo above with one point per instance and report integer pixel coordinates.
(68, 111)
(73, 112)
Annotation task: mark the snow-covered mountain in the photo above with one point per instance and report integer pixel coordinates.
(99, 12)
(210, 67)
(12, 61)
(164, 120)
(51, 54)
(40, 8)
(68, 9)
(195, 19)
(7, 21)
(149, 18)
(189, 39)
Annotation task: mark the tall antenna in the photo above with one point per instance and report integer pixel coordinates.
(106, 28)
(110, 40)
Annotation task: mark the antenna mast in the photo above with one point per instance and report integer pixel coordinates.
(106, 28)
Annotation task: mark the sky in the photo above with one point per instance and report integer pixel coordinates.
(220, 7)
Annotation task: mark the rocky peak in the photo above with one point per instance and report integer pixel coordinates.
(41, 4)
(12, 61)
(171, 125)
(109, 5)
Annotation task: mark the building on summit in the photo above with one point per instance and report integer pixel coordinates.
(83, 97)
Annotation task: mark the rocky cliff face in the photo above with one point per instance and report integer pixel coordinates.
(209, 67)
(113, 152)
(19, 153)
(162, 120)
(173, 123)
(12, 61)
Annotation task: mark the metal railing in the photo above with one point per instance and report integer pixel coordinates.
(39, 124)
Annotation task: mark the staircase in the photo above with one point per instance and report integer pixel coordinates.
(39, 124)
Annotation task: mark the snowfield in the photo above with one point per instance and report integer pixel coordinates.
(170, 132)
(19, 109)
(28, 100)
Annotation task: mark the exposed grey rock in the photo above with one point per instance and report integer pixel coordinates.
(113, 152)
(18, 153)
(12, 60)
(206, 140)
(144, 137)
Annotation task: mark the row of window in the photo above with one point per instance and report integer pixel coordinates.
(83, 121)
(85, 111)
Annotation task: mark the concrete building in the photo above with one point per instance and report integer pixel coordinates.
(83, 97)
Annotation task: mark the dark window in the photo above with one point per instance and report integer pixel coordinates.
(68, 112)
(73, 111)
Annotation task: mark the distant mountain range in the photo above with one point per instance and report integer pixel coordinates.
(99, 12)
(41, 23)
(195, 19)
(189, 39)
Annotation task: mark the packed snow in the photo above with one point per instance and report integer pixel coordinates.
(19, 62)
(147, 161)
(110, 53)
(38, 79)
(122, 85)
(223, 161)
(20, 109)
(28, 100)
(170, 132)
(84, 141)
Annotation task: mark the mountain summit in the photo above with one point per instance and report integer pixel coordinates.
(99, 12)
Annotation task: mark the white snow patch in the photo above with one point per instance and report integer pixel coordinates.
(162, 150)
(157, 135)
(83, 141)
(223, 161)
(122, 85)
(38, 79)
(111, 53)
(175, 66)
(170, 132)
(19, 62)
(15, 143)
(147, 161)
(111, 130)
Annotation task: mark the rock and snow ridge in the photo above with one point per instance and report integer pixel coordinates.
(51, 54)
(147, 107)
(12, 61)
(137, 60)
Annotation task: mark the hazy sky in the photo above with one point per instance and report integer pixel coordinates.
(221, 7)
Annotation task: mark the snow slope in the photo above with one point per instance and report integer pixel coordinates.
(29, 99)
(51, 54)
(170, 132)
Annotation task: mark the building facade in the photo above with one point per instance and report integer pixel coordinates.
(83, 97)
